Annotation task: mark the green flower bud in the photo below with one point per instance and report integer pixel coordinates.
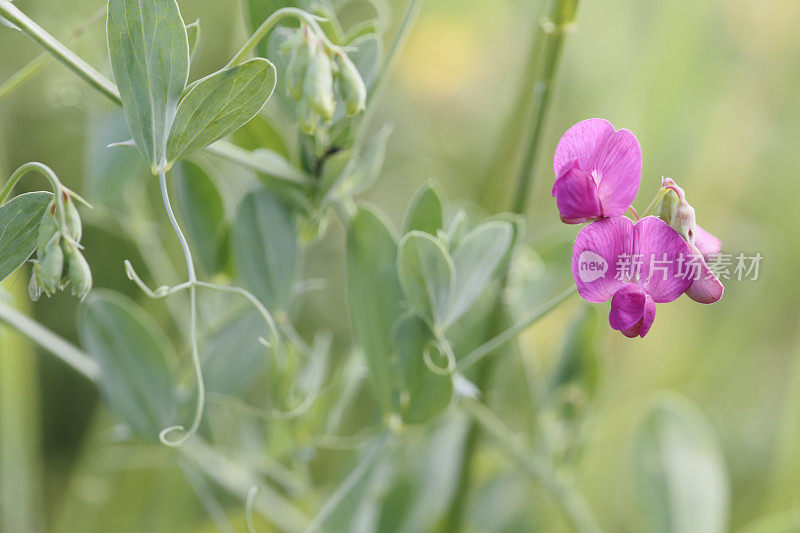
(298, 64)
(47, 229)
(79, 274)
(34, 290)
(668, 207)
(74, 226)
(318, 85)
(52, 266)
(351, 86)
(307, 119)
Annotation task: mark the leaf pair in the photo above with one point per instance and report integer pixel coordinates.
(441, 285)
(149, 51)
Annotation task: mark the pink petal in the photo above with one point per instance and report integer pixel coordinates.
(583, 142)
(627, 307)
(662, 256)
(707, 243)
(632, 311)
(598, 248)
(576, 195)
(619, 169)
(705, 287)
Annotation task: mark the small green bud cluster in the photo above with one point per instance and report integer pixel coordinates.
(59, 261)
(319, 78)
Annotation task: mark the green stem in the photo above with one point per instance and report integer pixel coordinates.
(36, 64)
(59, 51)
(569, 500)
(269, 24)
(51, 342)
(554, 28)
(550, 39)
(198, 369)
(511, 333)
(388, 66)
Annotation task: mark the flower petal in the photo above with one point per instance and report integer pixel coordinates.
(649, 316)
(627, 307)
(619, 168)
(576, 195)
(595, 257)
(707, 243)
(662, 257)
(706, 288)
(583, 142)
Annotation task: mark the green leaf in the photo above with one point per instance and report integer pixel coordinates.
(218, 105)
(426, 212)
(132, 352)
(265, 248)
(19, 229)
(374, 295)
(202, 213)
(427, 275)
(193, 37)
(149, 54)
(476, 260)
(680, 471)
(235, 356)
(424, 393)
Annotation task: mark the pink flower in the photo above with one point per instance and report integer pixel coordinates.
(706, 288)
(598, 170)
(635, 265)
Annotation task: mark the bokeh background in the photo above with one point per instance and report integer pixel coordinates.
(710, 89)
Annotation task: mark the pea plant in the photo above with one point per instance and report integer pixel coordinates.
(254, 164)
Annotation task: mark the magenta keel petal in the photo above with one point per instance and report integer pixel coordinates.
(627, 307)
(576, 196)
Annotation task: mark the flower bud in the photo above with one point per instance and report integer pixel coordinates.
(351, 86)
(318, 85)
(74, 226)
(79, 274)
(47, 229)
(668, 207)
(683, 222)
(298, 64)
(34, 290)
(52, 266)
(306, 118)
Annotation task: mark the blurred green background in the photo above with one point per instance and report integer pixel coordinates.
(709, 87)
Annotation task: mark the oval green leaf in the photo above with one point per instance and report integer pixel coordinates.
(680, 471)
(132, 352)
(476, 260)
(427, 275)
(19, 228)
(265, 248)
(426, 212)
(374, 295)
(424, 394)
(218, 105)
(149, 53)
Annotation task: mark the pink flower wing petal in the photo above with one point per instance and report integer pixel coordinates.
(663, 258)
(706, 288)
(619, 167)
(596, 254)
(649, 316)
(576, 195)
(707, 243)
(582, 141)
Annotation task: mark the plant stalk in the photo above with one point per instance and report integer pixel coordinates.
(547, 45)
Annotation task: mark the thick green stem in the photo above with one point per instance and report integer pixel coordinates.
(547, 45)
(51, 342)
(59, 51)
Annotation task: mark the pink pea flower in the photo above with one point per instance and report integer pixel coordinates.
(706, 288)
(598, 170)
(635, 265)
